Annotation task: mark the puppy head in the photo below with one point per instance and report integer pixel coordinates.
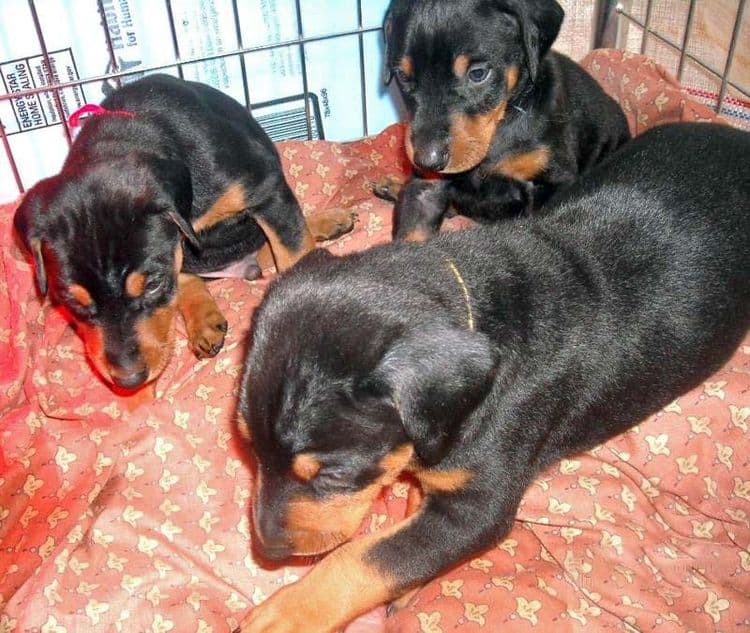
(457, 64)
(105, 241)
(336, 412)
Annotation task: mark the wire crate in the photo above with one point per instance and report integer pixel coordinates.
(705, 43)
(291, 62)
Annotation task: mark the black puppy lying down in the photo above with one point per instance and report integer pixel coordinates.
(163, 160)
(478, 358)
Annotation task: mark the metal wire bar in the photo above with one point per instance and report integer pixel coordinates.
(303, 66)
(117, 73)
(50, 76)
(362, 79)
(605, 24)
(56, 87)
(11, 159)
(173, 31)
(243, 70)
(108, 37)
(685, 38)
(647, 26)
(730, 55)
(690, 56)
(190, 60)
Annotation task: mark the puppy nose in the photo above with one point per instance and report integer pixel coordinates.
(432, 156)
(128, 377)
(272, 541)
(278, 550)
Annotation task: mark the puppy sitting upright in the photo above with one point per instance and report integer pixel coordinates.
(478, 358)
(504, 121)
(163, 159)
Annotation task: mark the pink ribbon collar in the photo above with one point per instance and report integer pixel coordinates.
(95, 110)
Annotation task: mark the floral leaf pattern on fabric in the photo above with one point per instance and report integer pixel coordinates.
(133, 515)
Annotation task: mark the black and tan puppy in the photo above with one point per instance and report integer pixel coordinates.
(476, 359)
(504, 121)
(164, 160)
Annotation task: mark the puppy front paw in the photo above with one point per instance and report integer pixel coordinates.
(206, 333)
(387, 188)
(273, 617)
(331, 224)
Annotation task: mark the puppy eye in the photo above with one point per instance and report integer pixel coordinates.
(155, 288)
(84, 314)
(478, 73)
(403, 79)
(78, 300)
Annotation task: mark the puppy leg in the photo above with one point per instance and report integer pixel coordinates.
(280, 218)
(342, 586)
(289, 235)
(387, 188)
(204, 322)
(367, 572)
(264, 256)
(330, 224)
(491, 199)
(559, 176)
(414, 499)
(419, 209)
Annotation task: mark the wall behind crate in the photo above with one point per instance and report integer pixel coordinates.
(333, 91)
(704, 43)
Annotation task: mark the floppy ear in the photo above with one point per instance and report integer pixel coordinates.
(185, 228)
(540, 22)
(435, 380)
(25, 222)
(176, 194)
(387, 32)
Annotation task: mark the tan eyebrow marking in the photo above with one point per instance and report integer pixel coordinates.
(407, 66)
(305, 466)
(80, 294)
(135, 284)
(461, 65)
